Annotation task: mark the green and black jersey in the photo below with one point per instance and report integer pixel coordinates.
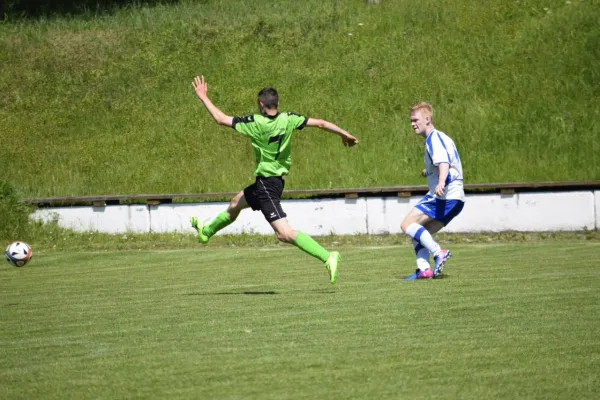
(271, 139)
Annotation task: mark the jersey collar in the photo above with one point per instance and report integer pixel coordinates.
(271, 116)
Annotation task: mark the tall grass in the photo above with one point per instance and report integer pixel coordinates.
(14, 214)
(104, 105)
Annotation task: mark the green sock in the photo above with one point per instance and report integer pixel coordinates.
(220, 222)
(310, 246)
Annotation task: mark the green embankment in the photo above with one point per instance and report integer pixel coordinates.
(104, 105)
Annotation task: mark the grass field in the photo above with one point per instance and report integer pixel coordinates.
(509, 320)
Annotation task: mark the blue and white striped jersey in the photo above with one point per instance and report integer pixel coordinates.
(439, 148)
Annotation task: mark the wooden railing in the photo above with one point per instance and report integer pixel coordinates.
(350, 193)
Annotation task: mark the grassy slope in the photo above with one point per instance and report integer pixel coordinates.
(104, 105)
(264, 323)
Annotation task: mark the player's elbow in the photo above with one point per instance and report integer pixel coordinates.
(223, 120)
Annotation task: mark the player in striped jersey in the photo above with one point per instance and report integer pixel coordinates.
(443, 202)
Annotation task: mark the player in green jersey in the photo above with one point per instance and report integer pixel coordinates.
(270, 132)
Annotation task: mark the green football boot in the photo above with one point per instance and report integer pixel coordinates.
(332, 265)
(202, 238)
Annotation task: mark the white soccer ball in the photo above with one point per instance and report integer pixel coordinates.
(18, 253)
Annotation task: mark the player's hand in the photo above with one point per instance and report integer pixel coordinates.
(349, 140)
(440, 189)
(200, 86)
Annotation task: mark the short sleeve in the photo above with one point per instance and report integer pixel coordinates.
(244, 125)
(437, 150)
(298, 121)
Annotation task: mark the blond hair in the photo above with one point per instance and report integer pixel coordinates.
(422, 106)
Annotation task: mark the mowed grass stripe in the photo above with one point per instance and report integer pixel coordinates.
(508, 321)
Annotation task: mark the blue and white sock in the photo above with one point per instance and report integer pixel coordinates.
(422, 235)
(422, 256)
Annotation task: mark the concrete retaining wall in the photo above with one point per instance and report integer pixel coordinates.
(560, 211)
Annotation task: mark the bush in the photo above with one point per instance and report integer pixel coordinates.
(14, 214)
(38, 8)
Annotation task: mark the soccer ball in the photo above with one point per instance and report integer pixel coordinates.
(18, 253)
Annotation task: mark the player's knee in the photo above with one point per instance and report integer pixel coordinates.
(404, 226)
(234, 208)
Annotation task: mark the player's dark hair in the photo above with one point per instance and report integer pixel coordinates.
(269, 97)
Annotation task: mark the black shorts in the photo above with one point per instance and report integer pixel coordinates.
(265, 195)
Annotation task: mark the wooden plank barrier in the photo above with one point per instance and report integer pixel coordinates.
(350, 193)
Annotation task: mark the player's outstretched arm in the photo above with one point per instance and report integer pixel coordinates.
(347, 139)
(201, 88)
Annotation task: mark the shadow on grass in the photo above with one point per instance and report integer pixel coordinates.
(266, 293)
(256, 293)
(443, 276)
(323, 291)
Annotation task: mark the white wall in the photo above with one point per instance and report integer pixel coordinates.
(109, 219)
(385, 213)
(597, 208)
(561, 211)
